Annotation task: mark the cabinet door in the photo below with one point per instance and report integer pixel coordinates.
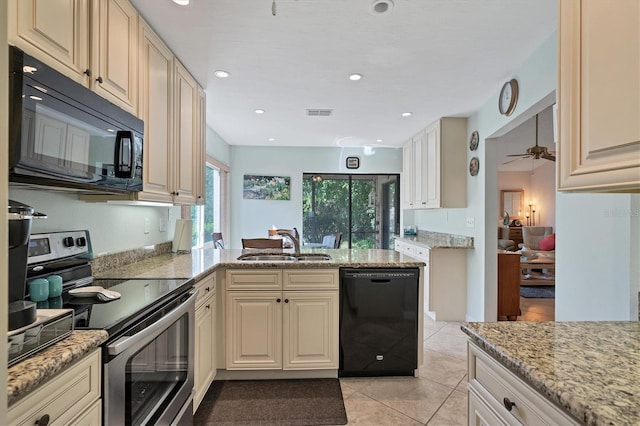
(205, 351)
(54, 31)
(480, 414)
(185, 136)
(432, 165)
(310, 330)
(418, 171)
(253, 330)
(199, 154)
(115, 53)
(599, 106)
(407, 175)
(156, 109)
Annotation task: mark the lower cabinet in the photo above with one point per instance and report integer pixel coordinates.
(205, 350)
(445, 280)
(498, 397)
(292, 324)
(73, 397)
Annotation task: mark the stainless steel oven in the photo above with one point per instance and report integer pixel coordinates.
(148, 376)
(148, 358)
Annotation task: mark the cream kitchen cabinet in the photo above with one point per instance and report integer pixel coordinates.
(499, 397)
(434, 166)
(599, 106)
(57, 32)
(205, 339)
(282, 319)
(188, 147)
(73, 397)
(174, 132)
(445, 280)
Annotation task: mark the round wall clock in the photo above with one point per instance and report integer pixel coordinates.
(475, 139)
(474, 166)
(508, 97)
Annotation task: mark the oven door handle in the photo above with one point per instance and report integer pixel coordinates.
(154, 330)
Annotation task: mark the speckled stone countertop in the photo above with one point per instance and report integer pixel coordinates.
(591, 369)
(437, 240)
(27, 375)
(201, 262)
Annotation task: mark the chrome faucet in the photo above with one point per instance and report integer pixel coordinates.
(296, 242)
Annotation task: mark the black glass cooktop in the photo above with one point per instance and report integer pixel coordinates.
(138, 298)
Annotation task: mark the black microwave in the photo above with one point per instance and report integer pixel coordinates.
(64, 135)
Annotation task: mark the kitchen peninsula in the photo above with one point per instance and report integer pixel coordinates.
(557, 372)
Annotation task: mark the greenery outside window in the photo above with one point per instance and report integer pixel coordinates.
(208, 218)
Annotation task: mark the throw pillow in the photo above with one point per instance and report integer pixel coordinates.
(548, 243)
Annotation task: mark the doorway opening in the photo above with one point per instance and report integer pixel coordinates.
(364, 208)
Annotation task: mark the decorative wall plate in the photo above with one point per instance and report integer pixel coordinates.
(474, 166)
(475, 139)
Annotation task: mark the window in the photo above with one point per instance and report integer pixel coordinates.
(210, 218)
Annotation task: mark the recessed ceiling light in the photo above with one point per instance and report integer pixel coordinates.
(271, 139)
(379, 7)
(221, 74)
(181, 2)
(406, 114)
(378, 140)
(355, 77)
(259, 111)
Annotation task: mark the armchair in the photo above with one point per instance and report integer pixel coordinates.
(531, 237)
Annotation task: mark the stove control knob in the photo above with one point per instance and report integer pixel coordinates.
(67, 241)
(81, 241)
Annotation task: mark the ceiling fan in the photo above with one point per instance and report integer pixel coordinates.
(536, 152)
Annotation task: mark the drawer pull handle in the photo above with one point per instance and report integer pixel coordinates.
(508, 404)
(43, 421)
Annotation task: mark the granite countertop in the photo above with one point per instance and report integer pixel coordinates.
(437, 240)
(201, 262)
(27, 375)
(591, 369)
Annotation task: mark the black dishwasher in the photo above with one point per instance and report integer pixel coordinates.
(378, 321)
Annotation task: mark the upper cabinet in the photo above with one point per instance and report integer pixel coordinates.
(114, 52)
(156, 110)
(58, 33)
(129, 65)
(434, 166)
(188, 143)
(599, 106)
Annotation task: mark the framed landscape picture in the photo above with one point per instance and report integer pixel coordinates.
(258, 187)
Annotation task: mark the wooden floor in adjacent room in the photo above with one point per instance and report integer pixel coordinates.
(537, 309)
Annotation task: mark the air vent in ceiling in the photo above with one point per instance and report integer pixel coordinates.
(319, 112)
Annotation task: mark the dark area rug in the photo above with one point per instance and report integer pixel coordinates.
(538, 291)
(272, 402)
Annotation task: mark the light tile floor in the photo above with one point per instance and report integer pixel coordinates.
(438, 397)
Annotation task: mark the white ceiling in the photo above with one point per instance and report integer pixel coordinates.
(433, 58)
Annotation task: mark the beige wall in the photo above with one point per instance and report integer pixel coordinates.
(538, 186)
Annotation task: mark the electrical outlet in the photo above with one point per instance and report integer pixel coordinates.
(147, 225)
(470, 222)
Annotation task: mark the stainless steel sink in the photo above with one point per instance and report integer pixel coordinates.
(313, 257)
(268, 258)
(259, 257)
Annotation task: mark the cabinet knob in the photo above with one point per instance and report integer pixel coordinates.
(286, 300)
(87, 72)
(99, 80)
(278, 300)
(43, 421)
(207, 289)
(508, 404)
(208, 307)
